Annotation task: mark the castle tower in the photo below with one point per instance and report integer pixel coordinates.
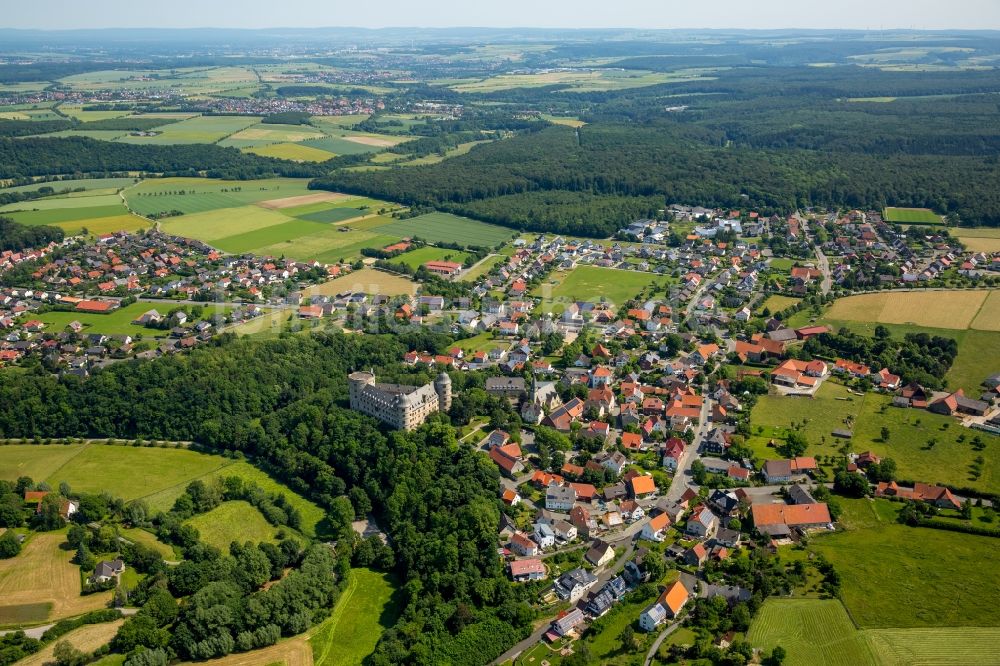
(443, 387)
(357, 381)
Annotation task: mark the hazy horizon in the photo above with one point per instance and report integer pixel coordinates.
(555, 14)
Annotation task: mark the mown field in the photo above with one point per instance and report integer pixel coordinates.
(366, 280)
(86, 639)
(484, 267)
(814, 632)
(980, 239)
(200, 129)
(911, 216)
(891, 572)
(42, 584)
(776, 303)
(948, 461)
(365, 609)
(448, 228)
(156, 475)
(593, 284)
(118, 322)
(291, 151)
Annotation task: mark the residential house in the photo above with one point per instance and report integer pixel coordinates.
(656, 528)
(702, 523)
(572, 585)
(600, 553)
(522, 571)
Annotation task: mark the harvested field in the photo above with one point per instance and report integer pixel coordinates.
(367, 280)
(938, 309)
(303, 200)
(43, 575)
(372, 141)
(291, 652)
(86, 639)
(988, 318)
(979, 239)
(940, 646)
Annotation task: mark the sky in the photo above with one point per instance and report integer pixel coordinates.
(854, 14)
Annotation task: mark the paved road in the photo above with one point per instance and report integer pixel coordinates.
(824, 266)
(681, 481)
(659, 641)
(602, 578)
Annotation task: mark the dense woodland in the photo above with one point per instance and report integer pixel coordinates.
(14, 236)
(284, 404)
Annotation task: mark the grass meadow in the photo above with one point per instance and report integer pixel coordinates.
(366, 280)
(200, 129)
(814, 632)
(948, 461)
(201, 194)
(365, 609)
(777, 303)
(233, 521)
(895, 576)
(911, 215)
(420, 256)
(591, 283)
(118, 322)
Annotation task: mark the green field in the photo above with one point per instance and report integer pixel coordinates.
(149, 540)
(263, 134)
(366, 608)
(594, 284)
(420, 256)
(484, 267)
(776, 303)
(896, 576)
(948, 461)
(212, 225)
(86, 183)
(203, 194)
(233, 521)
(74, 214)
(200, 129)
(292, 151)
(118, 322)
(59, 203)
(334, 215)
(445, 227)
(285, 232)
(781, 264)
(157, 475)
(979, 239)
(945, 646)
(814, 632)
(911, 216)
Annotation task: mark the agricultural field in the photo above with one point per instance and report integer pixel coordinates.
(293, 651)
(911, 216)
(460, 149)
(944, 646)
(263, 134)
(42, 584)
(149, 540)
(364, 610)
(890, 571)
(291, 151)
(948, 461)
(448, 228)
(76, 111)
(283, 232)
(936, 309)
(233, 521)
(59, 203)
(85, 183)
(334, 215)
(973, 345)
(591, 283)
(584, 80)
(367, 280)
(814, 632)
(776, 303)
(68, 215)
(200, 129)
(86, 639)
(563, 120)
(118, 322)
(417, 258)
(981, 239)
(198, 195)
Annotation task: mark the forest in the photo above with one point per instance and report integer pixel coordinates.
(14, 236)
(283, 404)
(43, 156)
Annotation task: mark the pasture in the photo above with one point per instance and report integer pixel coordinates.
(940, 646)
(591, 283)
(198, 195)
(448, 228)
(42, 584)
(979, 239)
(911, 216)
(891, 571)
(814, 632)
(199, 129)
(420, 256)
(911, 431)
(365, 609)
(87, 638)
(367, 280)
(118, 322)
(233, 521)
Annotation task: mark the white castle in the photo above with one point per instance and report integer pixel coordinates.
(402, 407)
